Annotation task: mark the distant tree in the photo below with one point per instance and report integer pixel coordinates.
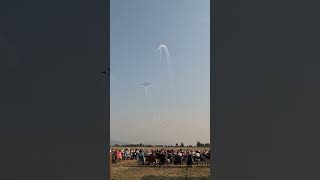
(207, 145)
(182, 145)
(140, 145)
(199, 144)
(177, 145)
(116, 145)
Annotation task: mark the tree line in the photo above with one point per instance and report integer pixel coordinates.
(199, 144)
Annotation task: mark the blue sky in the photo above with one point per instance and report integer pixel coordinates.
(138, 27)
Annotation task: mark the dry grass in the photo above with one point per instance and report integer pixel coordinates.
(135, 173)
(129, 170)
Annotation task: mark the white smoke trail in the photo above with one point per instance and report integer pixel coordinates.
(164, 50)
(147, 95)
(156, 121)
(150, 95)
(149, 100)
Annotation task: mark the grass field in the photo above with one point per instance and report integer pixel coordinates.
(129, 170)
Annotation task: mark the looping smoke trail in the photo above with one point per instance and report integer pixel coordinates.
(161, 48)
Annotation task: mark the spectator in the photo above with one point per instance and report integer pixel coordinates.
(197, 154)
(141, 157)
(119, 155)
(189, 160)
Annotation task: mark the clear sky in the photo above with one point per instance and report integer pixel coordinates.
(178, 114)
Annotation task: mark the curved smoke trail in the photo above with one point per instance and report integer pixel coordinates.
(164, 50)
(156, 120)
(149, 100)
(148, 94)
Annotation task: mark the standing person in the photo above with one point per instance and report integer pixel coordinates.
(189, 160)
(162, 158)
(170, 156)
(119, 156)
(115, 153)
(137, 154)
(141, 157)
(126, 154)
(133, 155)
(122, 154)
(197, 157)
(113, 156)
(129, 153)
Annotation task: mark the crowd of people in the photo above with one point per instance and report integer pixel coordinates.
(161, 156)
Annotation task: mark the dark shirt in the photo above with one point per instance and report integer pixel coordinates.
(189, 160)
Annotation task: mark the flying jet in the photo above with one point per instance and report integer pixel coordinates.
(146, 84)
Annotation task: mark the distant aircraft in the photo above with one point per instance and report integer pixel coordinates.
(146, 84)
